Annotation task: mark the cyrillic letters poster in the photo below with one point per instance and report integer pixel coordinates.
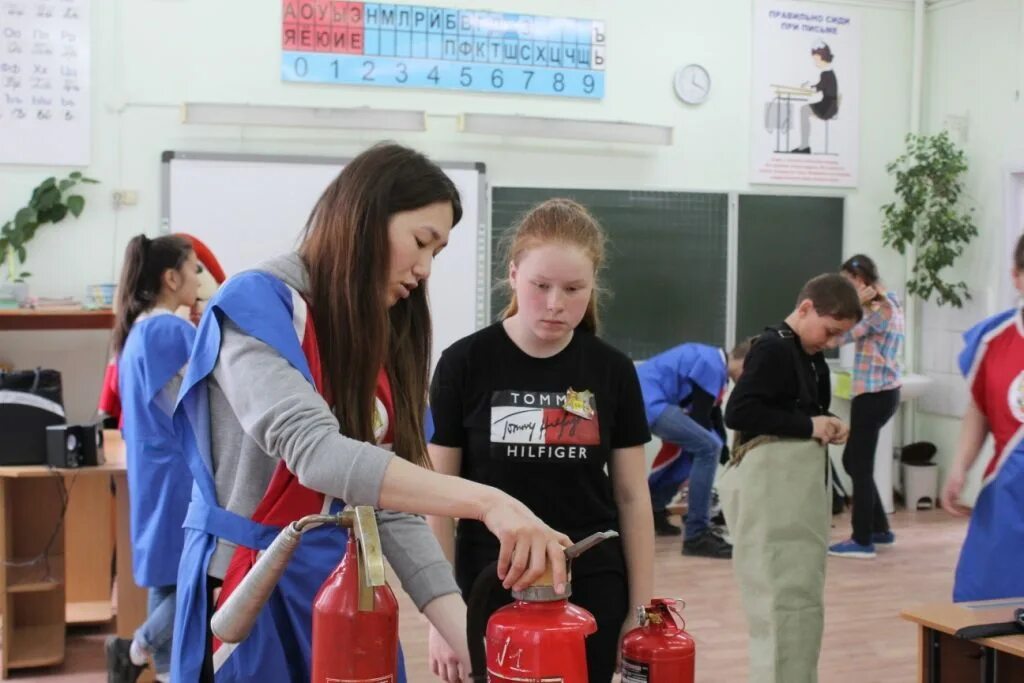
(44, 82)
(805, 94)
(425, 46)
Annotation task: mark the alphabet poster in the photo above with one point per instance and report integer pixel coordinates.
(44, 82)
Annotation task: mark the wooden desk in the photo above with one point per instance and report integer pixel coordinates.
(945, 658)
(71, 582)
(55, 319)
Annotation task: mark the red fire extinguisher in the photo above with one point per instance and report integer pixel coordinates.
(362, 614)
(354, 606)
(539, 637)
(658, 650)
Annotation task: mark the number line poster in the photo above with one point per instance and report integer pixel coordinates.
(417, 46)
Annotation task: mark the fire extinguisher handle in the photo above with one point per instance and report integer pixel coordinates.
(577, 549)
(371, 554)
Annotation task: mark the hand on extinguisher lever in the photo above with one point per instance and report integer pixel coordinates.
(528, 545)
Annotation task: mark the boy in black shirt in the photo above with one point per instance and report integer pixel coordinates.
(775, 491)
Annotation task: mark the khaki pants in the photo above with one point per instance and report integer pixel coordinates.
(777, 506)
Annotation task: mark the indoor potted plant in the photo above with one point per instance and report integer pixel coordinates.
(51, 202)
(928, 216)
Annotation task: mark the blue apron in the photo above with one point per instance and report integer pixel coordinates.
(159, 482)
(278, 648)
(991, 564)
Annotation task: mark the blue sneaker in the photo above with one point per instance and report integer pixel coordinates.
(850, 548)
(883, 538)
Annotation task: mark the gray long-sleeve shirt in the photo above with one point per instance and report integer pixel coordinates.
(263, 410)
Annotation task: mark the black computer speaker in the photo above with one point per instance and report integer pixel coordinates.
(73, 445)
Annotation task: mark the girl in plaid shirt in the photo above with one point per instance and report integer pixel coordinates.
(876, 397)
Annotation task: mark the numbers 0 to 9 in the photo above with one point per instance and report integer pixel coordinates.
(415, 73)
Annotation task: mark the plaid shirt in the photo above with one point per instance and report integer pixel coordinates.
(879, 338)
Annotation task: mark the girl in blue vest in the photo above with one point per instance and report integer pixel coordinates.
(152, 345)
(306, 390)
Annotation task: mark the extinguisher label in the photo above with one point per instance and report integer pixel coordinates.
(635, 672)
(379, 679)
(495, 678)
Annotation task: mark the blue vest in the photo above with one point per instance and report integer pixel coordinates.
(159, 481)
(278, 648)
(991, 564)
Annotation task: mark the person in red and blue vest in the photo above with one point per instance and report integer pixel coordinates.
(305, 391)
(992, 556)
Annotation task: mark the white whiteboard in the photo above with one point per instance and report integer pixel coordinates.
(249, 208)
(44, 82)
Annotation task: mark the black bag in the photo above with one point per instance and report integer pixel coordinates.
(918, 453)
(1008, 628)
(45, 383)
(30, 401)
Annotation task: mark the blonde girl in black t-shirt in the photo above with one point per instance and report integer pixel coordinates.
(540, 407)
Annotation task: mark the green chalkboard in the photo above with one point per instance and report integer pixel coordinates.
(783, 242)
(666, 269)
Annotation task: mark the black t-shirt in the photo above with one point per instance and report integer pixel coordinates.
(505, 410)
(782, 387)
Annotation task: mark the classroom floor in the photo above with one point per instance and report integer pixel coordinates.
(865, 640)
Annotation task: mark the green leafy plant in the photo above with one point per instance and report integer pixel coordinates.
(927, 215)
(51, 202)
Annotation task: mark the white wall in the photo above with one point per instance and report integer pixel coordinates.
(152, 55)
(974, 61)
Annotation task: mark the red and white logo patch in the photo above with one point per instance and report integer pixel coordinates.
(534, 425)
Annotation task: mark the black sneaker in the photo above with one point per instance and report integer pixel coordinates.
(120, 668)
(717, 522)
(662, 527)
(708, 544)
